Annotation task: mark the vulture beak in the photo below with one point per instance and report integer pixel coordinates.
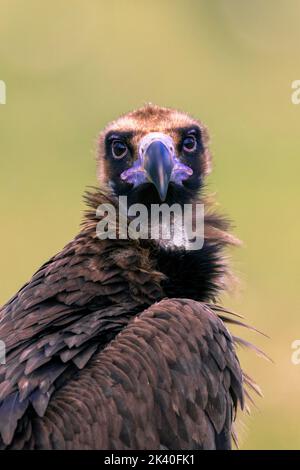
(158, 159)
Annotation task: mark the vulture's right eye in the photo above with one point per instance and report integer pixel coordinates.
(190, 143)
(119, 149)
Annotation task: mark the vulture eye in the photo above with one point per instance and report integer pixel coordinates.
(189, 143)
(119, 149)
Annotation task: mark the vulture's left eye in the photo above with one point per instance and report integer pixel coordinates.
(189, 143)
(119, 149)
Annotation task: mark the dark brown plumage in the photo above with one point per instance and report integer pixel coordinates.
(118, 344)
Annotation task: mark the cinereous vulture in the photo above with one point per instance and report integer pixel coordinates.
(119, 343)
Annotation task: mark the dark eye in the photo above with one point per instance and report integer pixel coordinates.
(189, 143)
(119, 149)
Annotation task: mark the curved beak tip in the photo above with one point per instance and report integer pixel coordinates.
(162, 190)
(158, 163)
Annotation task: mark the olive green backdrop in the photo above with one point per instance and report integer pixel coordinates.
(71, 66)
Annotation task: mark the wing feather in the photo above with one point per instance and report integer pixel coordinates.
(160, 383)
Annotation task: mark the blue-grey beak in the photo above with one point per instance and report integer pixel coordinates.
(158, 164)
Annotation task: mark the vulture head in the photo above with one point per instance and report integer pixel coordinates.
(154, 155)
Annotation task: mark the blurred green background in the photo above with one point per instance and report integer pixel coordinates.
(70, 67)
